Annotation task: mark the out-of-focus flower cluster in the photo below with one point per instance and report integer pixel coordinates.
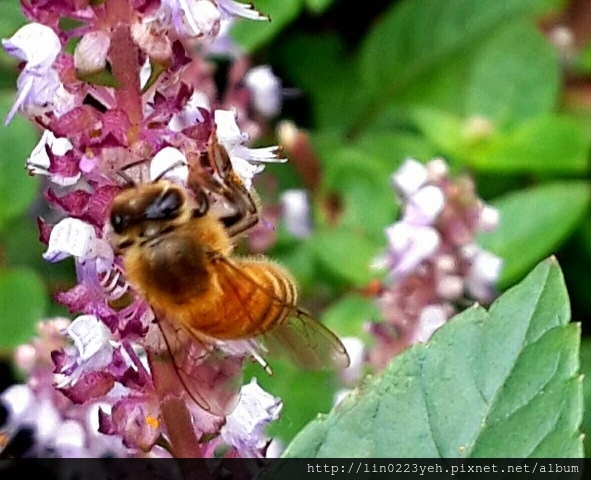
(38, 420)
(434, 265)
(138, 90)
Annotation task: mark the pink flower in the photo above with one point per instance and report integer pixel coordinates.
(432, 260)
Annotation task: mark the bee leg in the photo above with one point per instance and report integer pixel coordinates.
(202, 204)
(247, 211)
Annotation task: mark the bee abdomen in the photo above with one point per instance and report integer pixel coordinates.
(279, 300)
(257, 296)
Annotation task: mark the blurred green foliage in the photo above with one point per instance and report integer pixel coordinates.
(477, 82)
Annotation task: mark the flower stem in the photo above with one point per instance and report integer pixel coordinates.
(176, 417)
(180, 429)
(124, 55)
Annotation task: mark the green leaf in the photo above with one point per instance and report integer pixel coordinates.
(368, 200)
(446, 131)
(583, 61)
(329, 77)
(515, 75)
(586, 370)
(17, 189)
(542, 144)
(318, 6)
(347, 315)
(346, 253)
(533, 223)
(253, 34)
(391, 148)
(22, 248)
(502, 383)
(416, 37)
(23, 302)
(546, 144)
(12, 19)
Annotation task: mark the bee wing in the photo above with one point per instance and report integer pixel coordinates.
(296, 336)
(211, 378)
(305, 342)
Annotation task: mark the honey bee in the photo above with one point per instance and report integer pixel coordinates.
(179, 257)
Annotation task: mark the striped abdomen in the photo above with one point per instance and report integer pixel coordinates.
(252, 297)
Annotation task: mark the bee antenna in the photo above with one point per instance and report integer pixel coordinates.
(129, 182)
(178, 163)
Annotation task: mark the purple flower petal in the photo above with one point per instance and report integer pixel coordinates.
(135, 419)
(89, 386)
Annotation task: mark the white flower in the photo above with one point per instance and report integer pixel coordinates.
(73, 237)
(39, 162)
(245, 426)
(356, 350)
(409, 245)
(94, 349)
(484, 271)
(39, 46)
(63, 101)
(296, 212)
(431, 318)
(170, 163)
(18, 399)
(90, 336)
(231, 8)
(35, 44)
(246, 162)
(411, 176)
(190, 114)
(489, 218)
(70, 440)
(191, 18)
(424, 206)
(90, 55)
(145, 73)
(266, 90)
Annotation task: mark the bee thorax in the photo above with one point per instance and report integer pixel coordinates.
(175, 266)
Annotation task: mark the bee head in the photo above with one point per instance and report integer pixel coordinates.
(160, 201)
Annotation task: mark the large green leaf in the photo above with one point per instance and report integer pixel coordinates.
(23, 301)
(515, 76)
(548, 143)
(533, 223)
(502, 383)
(586, 369)
(418, 36)
(543, 144)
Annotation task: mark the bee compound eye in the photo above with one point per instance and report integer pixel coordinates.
(170, 203)
(118, 222)
(166, 207)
